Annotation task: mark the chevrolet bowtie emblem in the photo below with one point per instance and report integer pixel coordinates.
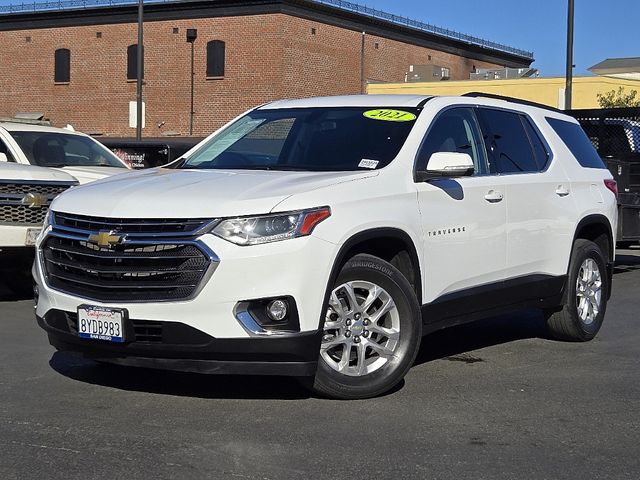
(105, 238)
(34, 200)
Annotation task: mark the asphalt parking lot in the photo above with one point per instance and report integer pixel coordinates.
(490, 400)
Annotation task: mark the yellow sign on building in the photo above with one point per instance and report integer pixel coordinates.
(545, 90)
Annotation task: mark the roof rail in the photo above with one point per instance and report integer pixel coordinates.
(26, 121)
(512, 100)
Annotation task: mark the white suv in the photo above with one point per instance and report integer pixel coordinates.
(25, 195)
(323, 237)
(61, 148)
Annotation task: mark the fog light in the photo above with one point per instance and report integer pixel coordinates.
(36, 292)
(277, 310)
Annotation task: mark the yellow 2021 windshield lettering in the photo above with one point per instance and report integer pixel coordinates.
(390, 115)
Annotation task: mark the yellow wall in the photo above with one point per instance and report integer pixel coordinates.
(548, 91)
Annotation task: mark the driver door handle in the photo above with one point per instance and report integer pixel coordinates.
(493, 196)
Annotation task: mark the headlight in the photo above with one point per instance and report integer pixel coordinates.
(47, 220)
(46, 226)
(270, 228)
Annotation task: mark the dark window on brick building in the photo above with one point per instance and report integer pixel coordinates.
(62, 66)
(215, 58)
(132, 62)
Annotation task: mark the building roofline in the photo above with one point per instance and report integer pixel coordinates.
(307, 9)
(618, 65)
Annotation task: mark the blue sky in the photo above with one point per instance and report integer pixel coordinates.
(604, 28)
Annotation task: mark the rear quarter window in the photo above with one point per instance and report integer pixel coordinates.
(577, 142)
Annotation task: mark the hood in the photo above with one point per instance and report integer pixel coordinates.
(16, 171)
(165, 193)
(91, 174)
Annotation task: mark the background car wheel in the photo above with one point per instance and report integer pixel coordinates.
(587, 290)
(20, 283)
(372, 331)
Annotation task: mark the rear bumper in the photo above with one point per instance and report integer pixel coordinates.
(183, 348)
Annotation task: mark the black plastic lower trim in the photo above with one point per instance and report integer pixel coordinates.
(542, 291)
(291, 354)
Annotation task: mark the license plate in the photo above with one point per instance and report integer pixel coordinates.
(99, 323)
(32, 236)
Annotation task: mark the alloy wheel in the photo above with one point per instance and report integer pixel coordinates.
(362, 329)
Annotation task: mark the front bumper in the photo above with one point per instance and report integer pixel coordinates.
(204, 334)
(176, 346)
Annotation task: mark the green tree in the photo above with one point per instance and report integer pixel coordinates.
(619, 99)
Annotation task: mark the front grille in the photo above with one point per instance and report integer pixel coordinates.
(25, 188)
(22, 215)
(131, 225)
(144, 270)
(16, 207)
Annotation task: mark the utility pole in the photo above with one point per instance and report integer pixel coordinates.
(362, 64)
(140, 60)
(192, 35)
(569, 75)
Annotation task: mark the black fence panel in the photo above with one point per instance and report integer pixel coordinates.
(615, 134)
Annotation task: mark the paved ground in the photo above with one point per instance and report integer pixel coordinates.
(491, 400)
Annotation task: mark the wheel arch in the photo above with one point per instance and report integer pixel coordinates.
(386, 243)
(597, 228)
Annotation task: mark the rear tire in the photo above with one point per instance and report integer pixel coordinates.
(588, 287)
(372, 331)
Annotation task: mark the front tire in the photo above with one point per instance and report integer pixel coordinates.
(372, 331)
(587, 291)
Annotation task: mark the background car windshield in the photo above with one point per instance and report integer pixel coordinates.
(64, 150)
(308, 139)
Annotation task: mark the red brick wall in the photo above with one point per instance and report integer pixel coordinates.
(267, 57)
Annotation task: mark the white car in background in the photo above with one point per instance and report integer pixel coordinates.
(73, 152)
(25, 195)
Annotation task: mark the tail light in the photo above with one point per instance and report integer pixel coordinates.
(613, 186)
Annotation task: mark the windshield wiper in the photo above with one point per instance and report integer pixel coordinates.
(253, 167)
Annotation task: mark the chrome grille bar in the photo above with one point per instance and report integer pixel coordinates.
(143, 266)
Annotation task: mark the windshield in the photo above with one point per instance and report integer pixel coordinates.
(308, 139)
(48, 149)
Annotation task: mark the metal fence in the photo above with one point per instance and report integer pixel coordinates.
(614, 132)
(36, 6)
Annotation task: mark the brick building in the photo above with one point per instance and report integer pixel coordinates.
(77, 66)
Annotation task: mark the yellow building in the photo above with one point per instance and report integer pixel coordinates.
(548, 91)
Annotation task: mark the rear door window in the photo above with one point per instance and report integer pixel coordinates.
(577, 141)
(540, 152)
(509, 146)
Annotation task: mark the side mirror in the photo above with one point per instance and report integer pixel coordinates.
(447, 165)
(3, 157)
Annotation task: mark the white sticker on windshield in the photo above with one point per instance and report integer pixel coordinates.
(364, 163)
